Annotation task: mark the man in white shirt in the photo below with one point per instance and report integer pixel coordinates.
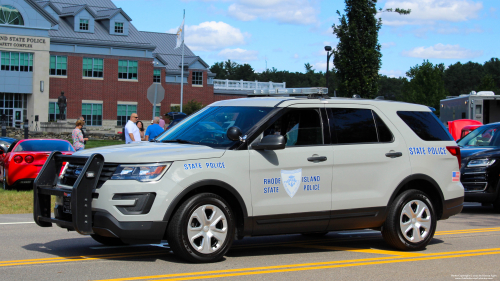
(131, 131)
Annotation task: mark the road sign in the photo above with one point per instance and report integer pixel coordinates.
(156, 90)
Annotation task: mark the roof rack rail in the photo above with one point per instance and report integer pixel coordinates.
(311, 93)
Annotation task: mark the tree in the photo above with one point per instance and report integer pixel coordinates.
(461, 79)
(492, 67)
(391, 88)
(357, 57)
(488, 84)
(426, 84)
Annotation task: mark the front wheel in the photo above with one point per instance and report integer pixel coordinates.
(202, 229)
(411, 222)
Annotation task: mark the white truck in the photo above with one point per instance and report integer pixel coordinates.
(482, 106)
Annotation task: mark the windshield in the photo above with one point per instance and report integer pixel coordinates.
(486, 136)
(44, 145)
(209, 125)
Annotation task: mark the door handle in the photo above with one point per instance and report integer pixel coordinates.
(394, 154)
(316, 159)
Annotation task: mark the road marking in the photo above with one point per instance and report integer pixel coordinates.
(368, 251)
(21, 222)
(79, 258)
(311, 266)
(306, 243)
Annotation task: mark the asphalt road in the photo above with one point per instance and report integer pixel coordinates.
(465, 247)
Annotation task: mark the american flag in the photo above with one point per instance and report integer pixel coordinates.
(456, 176)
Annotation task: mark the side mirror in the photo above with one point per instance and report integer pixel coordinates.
(271, 142)
(234, 133)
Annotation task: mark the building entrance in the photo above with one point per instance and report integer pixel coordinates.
(14, 107)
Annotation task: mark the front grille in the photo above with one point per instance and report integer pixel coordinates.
(475, 186)
(474, 177)
(73, 171)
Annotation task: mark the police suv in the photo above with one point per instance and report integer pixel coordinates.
(262, 166)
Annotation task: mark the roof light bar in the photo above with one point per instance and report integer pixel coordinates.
(291, 91)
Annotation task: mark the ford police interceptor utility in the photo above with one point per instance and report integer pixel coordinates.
(262, 166)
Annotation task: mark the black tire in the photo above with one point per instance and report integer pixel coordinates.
(5, 185)
(496, 205)
(391, 230)
(177, 231)
(108, 241)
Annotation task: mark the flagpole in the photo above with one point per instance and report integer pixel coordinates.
(182, 60)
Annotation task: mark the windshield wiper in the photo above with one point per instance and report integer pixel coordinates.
(180, 141)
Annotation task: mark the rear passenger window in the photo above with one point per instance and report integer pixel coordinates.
(299, 126)
(425, 125)
(353, 125)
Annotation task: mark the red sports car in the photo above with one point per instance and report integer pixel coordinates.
(24, 159)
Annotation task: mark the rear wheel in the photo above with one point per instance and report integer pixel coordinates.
(496, 205)
(108, 241)
(411, 221)
(5, 185)
(202, 229)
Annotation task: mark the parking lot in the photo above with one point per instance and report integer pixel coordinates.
(466, 246)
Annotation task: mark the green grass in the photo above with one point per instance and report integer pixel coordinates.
(21, 202)
(99, 143)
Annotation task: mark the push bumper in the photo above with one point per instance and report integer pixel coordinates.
(47, 184)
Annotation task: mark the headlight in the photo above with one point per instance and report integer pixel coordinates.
(140, 172)
(481, 162)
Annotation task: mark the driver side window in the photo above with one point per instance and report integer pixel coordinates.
(483, 139)
(299, 126)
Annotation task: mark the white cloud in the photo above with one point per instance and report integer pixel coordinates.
(440, 51)
(211, 35)
(392, 73)
(303, 12)
(430, 11)
(239, 55)
(387, 45)
(296, 56)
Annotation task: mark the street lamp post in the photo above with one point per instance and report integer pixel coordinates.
(329, 53)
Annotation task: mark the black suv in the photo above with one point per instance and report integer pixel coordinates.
(480, 171)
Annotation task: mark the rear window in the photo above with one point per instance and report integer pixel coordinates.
(353, 125)
(425, 125)
(44, 145)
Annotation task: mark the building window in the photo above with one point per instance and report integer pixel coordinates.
(92, 67)
(17, 62)
(157, 76)
(123, 113)
(58, 65)
(118, 27)
(10, 15)
(92, 112)
(127, 69)
(53, 111)
(84, 24)
(197, 78)
(11, 104)
(157, 111)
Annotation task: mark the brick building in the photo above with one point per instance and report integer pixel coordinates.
(90, 50)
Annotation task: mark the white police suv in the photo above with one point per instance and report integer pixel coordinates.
(262, 166)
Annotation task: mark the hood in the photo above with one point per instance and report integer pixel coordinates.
(466, 151)
(490, 153)
(150, 152)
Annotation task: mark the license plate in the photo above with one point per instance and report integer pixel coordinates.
(67, 203)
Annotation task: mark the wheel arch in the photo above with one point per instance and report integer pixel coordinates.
(425, 184)
(223, 189)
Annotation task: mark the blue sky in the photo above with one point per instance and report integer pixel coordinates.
(289, 33)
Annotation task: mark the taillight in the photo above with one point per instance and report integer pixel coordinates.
(455, 151)
(18, 159)
(29, 159)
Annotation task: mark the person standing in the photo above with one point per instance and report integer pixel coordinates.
(140, 125)
(161, 122)
(78, 139)
(84, 130)
(154, 129)
(131, 131)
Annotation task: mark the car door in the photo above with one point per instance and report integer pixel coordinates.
(370, 161)
(291, 188)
